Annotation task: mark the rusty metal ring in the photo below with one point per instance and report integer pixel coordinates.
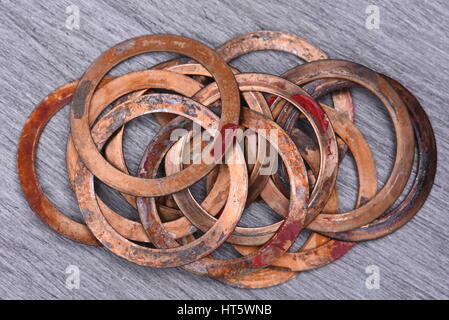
(318, 250)
(256, 101)
(280, 242)
(79, 118)
(333, 249)
(396, 217)
(326, 177)
(29, 182)
(289, 43)
(279, 41)
(26, 155)
(102, 98)
(405, 142)
(139, 80)
(119, 245)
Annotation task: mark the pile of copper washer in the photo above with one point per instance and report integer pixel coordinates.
(177, 231)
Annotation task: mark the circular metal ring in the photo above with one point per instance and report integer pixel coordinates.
(139, 80)
(114, 148)
(405, 142)
(280, 242)
(79, 118)
(333, 249)
(326, 177)
(112, 240)
(318, 250)
(26, 155)
(289, 43)
(398, 216)
(29, 182)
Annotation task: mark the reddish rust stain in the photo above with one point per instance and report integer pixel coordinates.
(314, 109)
(340, 248)
(329, 151)
(270, 100)
(257, 261)
(224, 142)
(287, 234)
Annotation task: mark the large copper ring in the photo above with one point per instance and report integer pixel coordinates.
(110, 238)
(79, 118)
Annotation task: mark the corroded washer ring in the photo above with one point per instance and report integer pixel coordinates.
(332, 250)
(111, 239)
(26, 156)
(405, 142)
(280, 242)
(398, 216)
(279, 41)
(79, 118)
(328, 160)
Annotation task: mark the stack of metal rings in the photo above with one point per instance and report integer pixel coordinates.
(203, 90)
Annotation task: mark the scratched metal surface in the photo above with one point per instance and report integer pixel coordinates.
(38, 53)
